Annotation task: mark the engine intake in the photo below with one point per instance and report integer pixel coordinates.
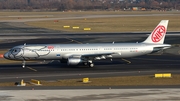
(73, 61)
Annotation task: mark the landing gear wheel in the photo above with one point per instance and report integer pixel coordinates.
(91, 65)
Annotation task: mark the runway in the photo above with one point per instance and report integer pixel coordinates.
(10, 40)
(82, 17)
(92, 95)
(147, 65)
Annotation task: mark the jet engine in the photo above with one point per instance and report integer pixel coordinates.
(73, 61)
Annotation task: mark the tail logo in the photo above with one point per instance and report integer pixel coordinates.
(158, 33)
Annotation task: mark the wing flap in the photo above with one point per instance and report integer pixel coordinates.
(93, 56)
(97, 56)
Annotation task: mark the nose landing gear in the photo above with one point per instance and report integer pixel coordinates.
(24, 64)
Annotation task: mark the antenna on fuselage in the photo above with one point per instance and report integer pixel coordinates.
(24, 44)
(113, 42)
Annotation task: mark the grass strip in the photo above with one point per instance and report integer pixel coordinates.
(118, 81)
(111, 81)
(113, 24)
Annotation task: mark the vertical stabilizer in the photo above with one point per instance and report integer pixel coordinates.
(158, 34)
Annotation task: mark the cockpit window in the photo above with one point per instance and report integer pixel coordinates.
(15, 51)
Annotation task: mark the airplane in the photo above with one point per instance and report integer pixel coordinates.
(75, 54)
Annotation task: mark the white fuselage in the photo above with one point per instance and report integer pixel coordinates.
(64, 51)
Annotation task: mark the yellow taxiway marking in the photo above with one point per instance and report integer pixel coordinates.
(32, 69)
(128, 62)
(74, 40)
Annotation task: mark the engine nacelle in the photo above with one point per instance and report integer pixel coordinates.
(73, 61)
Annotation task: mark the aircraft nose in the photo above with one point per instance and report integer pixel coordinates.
(6, 56)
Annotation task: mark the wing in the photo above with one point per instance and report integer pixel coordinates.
(95, 56)
(87, 58)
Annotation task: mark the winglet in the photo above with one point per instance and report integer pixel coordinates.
(158, 34)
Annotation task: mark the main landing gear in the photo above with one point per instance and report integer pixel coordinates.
(89, 63)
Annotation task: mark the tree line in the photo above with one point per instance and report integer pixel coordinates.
(63, 5)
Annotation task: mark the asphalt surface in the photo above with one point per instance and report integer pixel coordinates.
(91, 95)
(145, 65)
(10, 40)
(83, 16)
